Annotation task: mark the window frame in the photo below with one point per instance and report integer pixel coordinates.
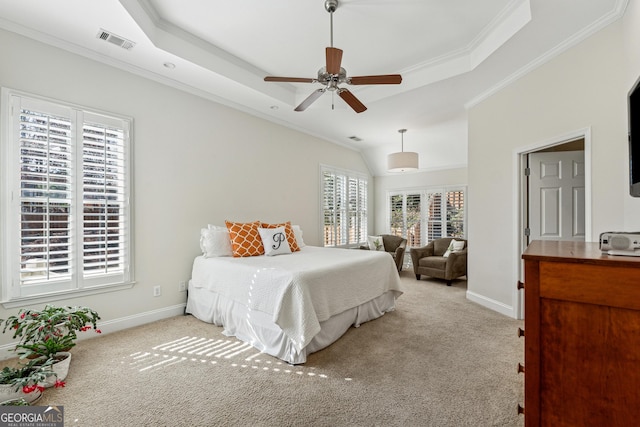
(14, 293)
(424, 193)
(361, 213)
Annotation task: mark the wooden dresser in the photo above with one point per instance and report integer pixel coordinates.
(582, 336)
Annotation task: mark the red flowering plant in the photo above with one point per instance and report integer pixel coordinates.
(52, 329)
(29, 377)
(46, 349)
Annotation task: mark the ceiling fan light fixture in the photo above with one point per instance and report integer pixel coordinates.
(332, 75)
(402, 161)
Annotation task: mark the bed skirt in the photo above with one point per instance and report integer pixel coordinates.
(259, 330)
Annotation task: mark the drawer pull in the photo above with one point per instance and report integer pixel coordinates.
(520, 409)
(520, 332)
(520, 368)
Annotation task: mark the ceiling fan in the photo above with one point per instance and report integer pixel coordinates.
(331, 75)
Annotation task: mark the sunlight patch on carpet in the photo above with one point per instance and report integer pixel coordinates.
(231, 353)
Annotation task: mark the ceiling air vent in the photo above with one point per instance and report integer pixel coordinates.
(115, 39)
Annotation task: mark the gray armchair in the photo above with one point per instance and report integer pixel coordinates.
(395, 246)
(429, 260)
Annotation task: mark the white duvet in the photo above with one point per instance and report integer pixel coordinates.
(302, 289)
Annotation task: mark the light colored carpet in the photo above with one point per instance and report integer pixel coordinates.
(438, 360)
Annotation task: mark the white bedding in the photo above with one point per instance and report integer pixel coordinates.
(297, 292)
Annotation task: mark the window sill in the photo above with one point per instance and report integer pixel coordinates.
(56, 296)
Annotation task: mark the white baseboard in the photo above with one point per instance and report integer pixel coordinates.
(489, 303)
(109, 326)
(141, 318)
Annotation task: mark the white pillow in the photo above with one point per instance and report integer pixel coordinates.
(297, 231)
(454, 246)
(215, 243)
(375, 243)
(224, 243)
(274, 241)
(458, 245)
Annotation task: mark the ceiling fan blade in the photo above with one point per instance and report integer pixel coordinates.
(310, 100)
(334, 59)
(288, 79)
(386, 79)
(351, 99)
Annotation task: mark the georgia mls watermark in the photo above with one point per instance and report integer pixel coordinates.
(31, 416)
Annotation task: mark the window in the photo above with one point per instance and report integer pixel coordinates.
(406, 217)
(344, 207)
(421, 216)
(65, 203)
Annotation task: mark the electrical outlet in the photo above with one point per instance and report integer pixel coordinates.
(182, 286)
(157, 291)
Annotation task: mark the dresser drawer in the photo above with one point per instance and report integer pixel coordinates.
(591, 284)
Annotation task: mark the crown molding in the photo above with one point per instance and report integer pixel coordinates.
(572, 41)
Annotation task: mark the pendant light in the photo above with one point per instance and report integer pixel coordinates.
(402, 161)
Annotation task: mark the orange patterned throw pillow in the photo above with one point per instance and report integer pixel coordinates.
(245, 238)
(288, 232)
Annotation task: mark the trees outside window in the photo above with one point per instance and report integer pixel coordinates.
(421, 216)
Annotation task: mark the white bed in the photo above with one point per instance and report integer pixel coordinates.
(289, 306)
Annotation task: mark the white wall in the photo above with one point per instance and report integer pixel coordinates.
(441, 145)
(408, 181)
(195, 162)
(585, 87)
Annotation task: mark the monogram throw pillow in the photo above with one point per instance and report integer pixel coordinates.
(288, 231)
(274, 241)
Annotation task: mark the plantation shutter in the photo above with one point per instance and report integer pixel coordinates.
(434, 215)
(67, 216)
(455, 213)
(344, 208)
(328, 208)
(103, 197)
(425, 215)
(362, 212)
(353, 228)
(341, 209)
(446, 214)
(46, 160)
(413, 220)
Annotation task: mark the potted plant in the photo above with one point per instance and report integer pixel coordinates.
(32, 326)
(15, 402)
(49, 348)
(52, 353)
(47, 335)
(25, 382)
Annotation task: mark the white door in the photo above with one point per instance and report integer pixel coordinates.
(556, 196)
